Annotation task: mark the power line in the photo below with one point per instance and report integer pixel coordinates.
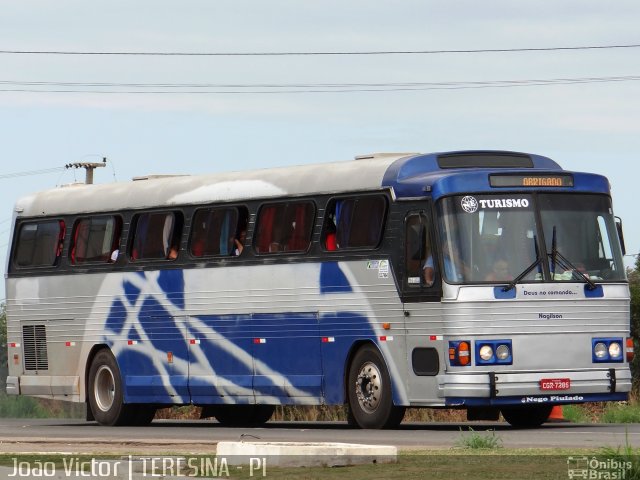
(30, 173)
(211, 88)
(316, 53)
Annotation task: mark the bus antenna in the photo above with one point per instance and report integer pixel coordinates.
(89, 167)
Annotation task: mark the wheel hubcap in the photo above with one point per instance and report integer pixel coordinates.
(369, 387)
(104, 388)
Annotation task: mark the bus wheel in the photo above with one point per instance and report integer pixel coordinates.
(106, 396)
(530, 416)
(243, 415)
(369, 391)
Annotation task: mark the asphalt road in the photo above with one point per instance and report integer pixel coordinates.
(18, 435)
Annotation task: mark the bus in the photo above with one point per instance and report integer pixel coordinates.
(490, 281)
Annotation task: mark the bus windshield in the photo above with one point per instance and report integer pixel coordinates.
(496, 238)
(585, 233)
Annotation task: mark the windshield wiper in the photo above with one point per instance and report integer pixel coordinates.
(554, 253)
(566, 263)
(527, 270)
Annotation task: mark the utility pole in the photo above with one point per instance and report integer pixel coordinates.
(89, 168)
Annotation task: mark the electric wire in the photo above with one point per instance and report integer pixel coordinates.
(30, 173)
(292, 88)
(315, 53)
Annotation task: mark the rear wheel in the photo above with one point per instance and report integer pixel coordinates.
(106, 394)
(242, 415)
(530, 416)
(369, 391)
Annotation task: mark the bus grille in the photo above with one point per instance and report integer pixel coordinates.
(34, 339)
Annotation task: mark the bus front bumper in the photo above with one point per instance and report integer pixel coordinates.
(499, 388)
(13, 386)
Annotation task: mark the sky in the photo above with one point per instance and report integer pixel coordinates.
(239, 112)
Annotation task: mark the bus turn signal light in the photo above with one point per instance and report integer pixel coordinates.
(460, 353)
(630, 353)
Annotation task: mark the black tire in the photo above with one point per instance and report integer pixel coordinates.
(142, 415)
(243, 415)
(530, 416)
(106, 393)
(369, 391)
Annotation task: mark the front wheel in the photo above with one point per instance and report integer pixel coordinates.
(242, 415)
(106, 395)
(369, 391)
(530, 416)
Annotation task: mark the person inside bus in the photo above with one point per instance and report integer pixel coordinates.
(454, 268)
(173, 252)
(331, 240)
(239, 242)
(499, 271)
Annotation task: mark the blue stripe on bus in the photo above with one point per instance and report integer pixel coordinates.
(172, 283)
(333, 279)
(117, 317)
(240, 358)
(131, 292)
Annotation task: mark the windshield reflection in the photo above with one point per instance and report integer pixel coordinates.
(495, 238)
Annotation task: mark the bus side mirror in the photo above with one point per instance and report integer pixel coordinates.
(620, 234)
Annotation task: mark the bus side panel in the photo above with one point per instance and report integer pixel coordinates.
(220, 359)
(146, 331)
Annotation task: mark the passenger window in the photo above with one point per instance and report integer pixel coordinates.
(96, 239)
(218, 231)
(157, 236)
(355, 222)
(284, 227)
(40, 243)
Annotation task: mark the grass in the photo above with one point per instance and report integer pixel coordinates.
(29, 407)
(478, 441)
(323, 413)
(621, 413)
(625, 455)
(447, 465)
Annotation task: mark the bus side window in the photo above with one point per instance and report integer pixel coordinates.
(420, 263)
(214, 230)
(157, 236)
(284, 227)
(354, 222)
(95, 239)
(40, 243)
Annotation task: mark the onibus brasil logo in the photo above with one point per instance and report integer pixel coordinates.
(598, 468)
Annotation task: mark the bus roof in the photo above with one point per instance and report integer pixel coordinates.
(407, 175)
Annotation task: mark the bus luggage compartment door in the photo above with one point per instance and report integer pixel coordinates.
(286, 350)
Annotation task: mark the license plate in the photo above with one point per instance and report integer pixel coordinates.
(555, 384)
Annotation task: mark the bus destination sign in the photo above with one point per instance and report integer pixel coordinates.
(531, 180)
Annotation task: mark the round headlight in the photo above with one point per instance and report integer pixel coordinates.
(600, 350)
(486, 353)
(503, 352)
(615, 350)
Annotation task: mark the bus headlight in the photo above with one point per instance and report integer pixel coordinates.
(600, 350)
(615, 350)
(486, 352)
(503, 352)
(493, 352)
(606, 350)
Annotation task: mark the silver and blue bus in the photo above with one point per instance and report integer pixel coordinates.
(489, 281)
